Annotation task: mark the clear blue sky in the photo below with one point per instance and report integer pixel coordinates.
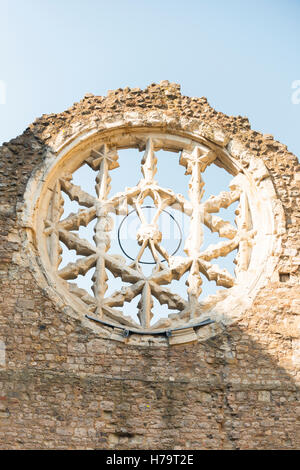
(243, 55)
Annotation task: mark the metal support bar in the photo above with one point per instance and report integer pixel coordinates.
(168, 333)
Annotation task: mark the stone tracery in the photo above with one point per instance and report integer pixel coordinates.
(197, 262)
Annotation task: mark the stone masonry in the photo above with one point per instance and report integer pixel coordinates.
(64, 385)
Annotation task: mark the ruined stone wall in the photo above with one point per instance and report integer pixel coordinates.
(64, 386)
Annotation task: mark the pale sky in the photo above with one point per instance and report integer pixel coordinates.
(243, 55)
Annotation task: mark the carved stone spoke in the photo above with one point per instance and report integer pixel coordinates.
(51, 226)
(194, 260)
(73, 242)
(149, 162)
(223, 200)
(217, 224)
(75, 193)
(82, 266)
(75, 221)
(166, 296)
(145, 304)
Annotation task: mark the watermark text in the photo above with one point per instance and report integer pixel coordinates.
(296, 94)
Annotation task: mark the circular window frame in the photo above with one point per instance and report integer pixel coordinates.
(231, 155)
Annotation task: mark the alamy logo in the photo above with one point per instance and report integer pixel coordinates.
(2, 92)
(296, 93)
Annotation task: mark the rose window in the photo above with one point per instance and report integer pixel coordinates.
(148, 202)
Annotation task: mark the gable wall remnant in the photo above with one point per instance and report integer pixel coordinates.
(64, 386)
